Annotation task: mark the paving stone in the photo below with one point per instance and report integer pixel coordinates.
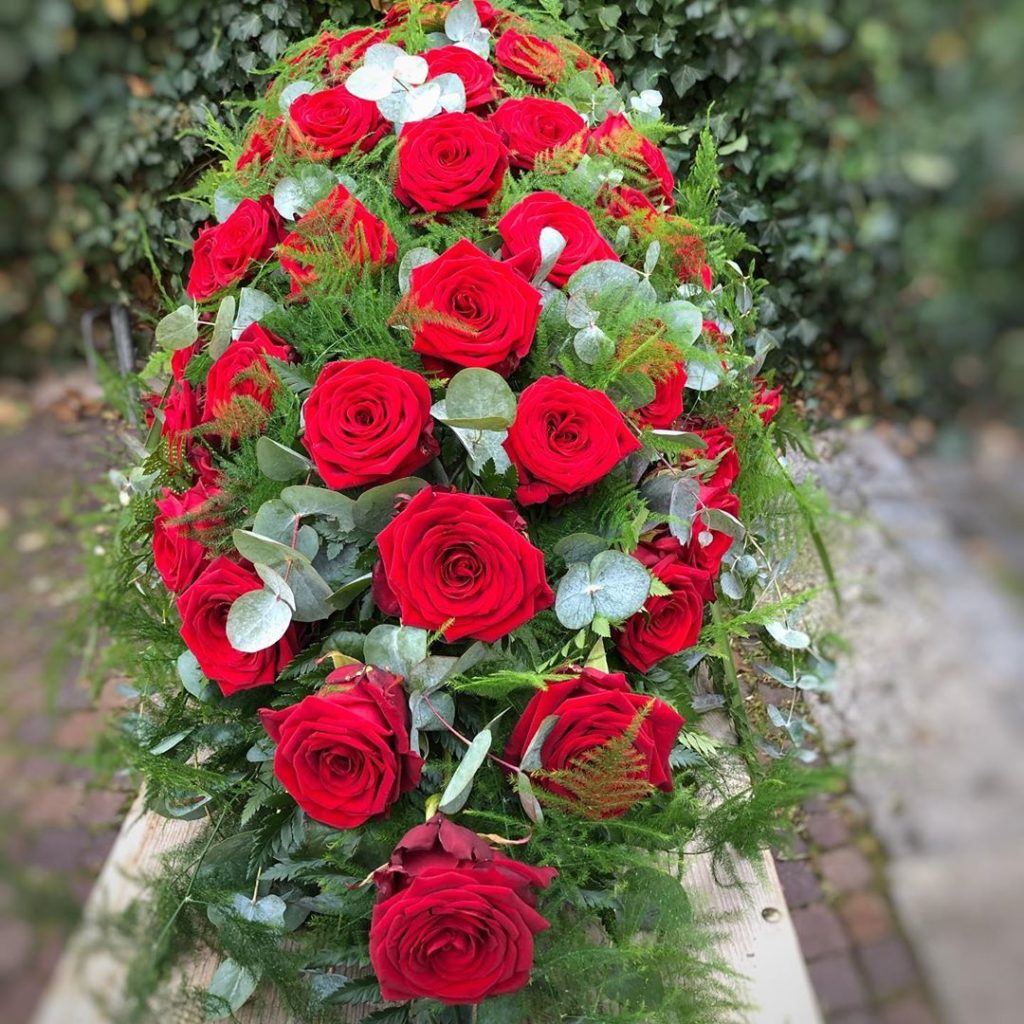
(799, 883)
(59, 849)
(889, 967)
(855, 1017)
(827, 831)
(867, 916)
(846, 869)
(819, 930)
(909, 1010)
(838, 983)
(795, 849)
(15, 945)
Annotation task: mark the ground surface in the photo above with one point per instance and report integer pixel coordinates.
(906, 892)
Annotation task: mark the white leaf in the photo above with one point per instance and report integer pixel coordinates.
(478, 42)
(462, 21)
(291, 92)
(453, 93)
(411, 70)
(552, 245)
(382, 56)
(422, 102)
(370, 83)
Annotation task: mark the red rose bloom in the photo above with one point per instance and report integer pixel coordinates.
(565, 437)
(532, 126)
(668, 624)
(616, 137)
(685, 248)
(520, 232)
(667, 406)
(623, 202)
(259, 147)
(333, 122)
(450, 162)
(533, 59)
(204, 611)
(343, 753)
(476, 74)
(471, 310)
(179, 410)
(719, 445)
(242, 372)
(179, 553)
(454, 919)
(181, 358)
(584, 61)
(340, 228)
(464, 559)
(592, 709)
(367, 422)
(223, 253)
(767, 401)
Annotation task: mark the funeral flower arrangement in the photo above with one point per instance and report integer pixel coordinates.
(460, 471)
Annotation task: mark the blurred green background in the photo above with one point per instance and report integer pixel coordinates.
(874, 154)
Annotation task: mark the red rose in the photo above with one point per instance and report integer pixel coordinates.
(533, 59)
(520, 232)
(593, 709)
(223, 253)
(468, 309)
(178, 411)
(670, 624)
(565, 437)
(720, 448)
(343, 51)
(459, 926)
(259, 147)
(584, 61)
(343, 753)
(450, 162)
(476, 74)
(623, 202)
(367, 422)
(342, 231)
(532, 126)
(463, 559)
(685, 248)
(179, 551)
(767, 401)
(667, 405)
(333, 122)
(200, 458)
(181, 357)
(243, 373)
(204, 611)
(645, 162)
(432, 15)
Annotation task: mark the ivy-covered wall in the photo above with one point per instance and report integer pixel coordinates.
(873, 154)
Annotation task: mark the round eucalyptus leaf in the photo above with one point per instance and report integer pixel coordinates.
(178, 329)
(410, 69)
(453, 93)
(462, 20)
(192, 677)
(551, 243)
(257, 620)
(225, 203)
(531, 759)
(684, 320)
(381, 55)
(276, 584)
(580, 547)
(700, 376)
(619, 584)
(574, 605)
(253, 305)
(276, 520)
(291, 92)
(417, 257)
(230, 989)
(682, 507)
(319, 501)
(593, 346)
(479, 399)
(395, 648)
(651, 257)
(731, 586)
(602, 276)
(375, 507)
(781, 633)
(579, 313)
(424, 717)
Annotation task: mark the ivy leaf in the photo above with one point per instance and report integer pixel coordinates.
(230, 989)
(457, 791)
(178, 329)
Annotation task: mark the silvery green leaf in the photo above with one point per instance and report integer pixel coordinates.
(744, 299)
(265, 550)
(262, 750)
(427, 718)
(371, 82)
(531, 761)
(253, 305)
(418, 257)
(593, 346)
(276, 462)
(410, 69)
(230, 988)
(258, 619)
(456, 793)
(482, 446)
(376, 505)
(220, 337)
(631, 390)
(682, 508)
(764, 342)
(478, 42)
(461, 21)
(700, 376)
(224, 203)
(275, 583)
(574, 607)
(551, 244)
(430, 673)
(382, 56)
(746, 566)
(178, 329)
(621, 239)
(619, 585)
(580, 547)
(420, 103)
(268, 910)
(578, 311)
(296, 195)
(683, 319)
(291, 92)
(453, 93)
(648, 102)
(731, 586)
(312, 592)
(345, 595)
(170, 742)
(319, 501)
(601, 276)
(182, 806)
(794, 639)
(395, 648)
(528, 799)
(276, 520)
(722, 521)
(192, 678)
(479, 399)
(651, 257)
(436, 39)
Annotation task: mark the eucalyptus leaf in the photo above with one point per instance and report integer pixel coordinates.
(528, 799)
(684, 321)
(170, 742)
(418, 257)
(253, 305)
(375, 507)
(619, 585)
(319, 501)
(651, 257)
(794, 639)
(431, 673)
(531, 759)
(276, 462)
(574, 607)
(220, 337)
(461, 21)
(551, 244)
(296, 194)
(456, 793)
(722, 521)
(276, 520)
(230, 989)
(291, 92)
(225, 203)
(700, 376)
(479, 399)
(192, 678)
(346, 594)
(424, 717)
(258, 619)
(178, 329)
(580, 547)
(731, 586)
(482, 446)
(395, 648)
(683, 507)
(593, 346)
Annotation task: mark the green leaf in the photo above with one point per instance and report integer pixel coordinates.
(268, 911)
(220, 337)
(456, 793)
(479, 399)
(259, 618)
(277, 462)
(375, 507)
(178, 329)
(230, 989)
(395, 648)
(319, 501)
(574, 606)
(530, 761)
(794, 639)
(192, 678)
(619, 585)
(345, 595)
(528, 799)
(580, 547)
(170, 742)
(311, 591)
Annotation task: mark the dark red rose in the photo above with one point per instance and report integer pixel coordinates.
(533, 59)
(706, 278)
(259, 147)
(342, 231)
(327, 124)
(686, 250)
(520, 232)
(343, 753)
(243, 373)
(584, 61)
(767, 401)
(432, 15)
(532, 126)
(667, 406)
(594, 708)
(200, 458)
(459, 928)
(179, 548)
(178, 412)
(720, 448)
(450, 162)
(565, 437)
(463, 559)
(670, 624)
(643, 160)
(623, 202)
(468, 309)
(181, 357)
(344, 51)
(367, 422)
(476, 74)
(224, 253)
(204, 611)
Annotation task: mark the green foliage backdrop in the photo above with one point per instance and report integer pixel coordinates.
(873, 153)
